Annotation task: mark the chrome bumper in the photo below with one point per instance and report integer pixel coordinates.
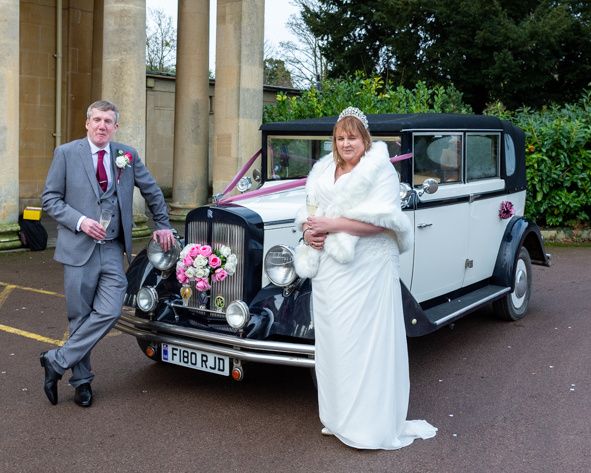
(260, 351)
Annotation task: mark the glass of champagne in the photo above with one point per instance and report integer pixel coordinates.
(186, 293)
(104, 220)
(311, 204)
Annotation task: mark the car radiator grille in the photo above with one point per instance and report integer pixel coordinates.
(231, 288)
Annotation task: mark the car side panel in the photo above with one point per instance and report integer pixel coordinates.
(486, 233)
(441, 240)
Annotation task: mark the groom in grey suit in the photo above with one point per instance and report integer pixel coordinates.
(92, 256)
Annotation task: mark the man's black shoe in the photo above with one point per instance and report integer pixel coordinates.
(51, 379)
(83, 396)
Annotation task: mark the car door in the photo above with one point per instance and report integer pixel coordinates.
(485, 187)
(442, 219)
(487, 192)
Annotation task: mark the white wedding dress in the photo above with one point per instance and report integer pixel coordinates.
(361, 351)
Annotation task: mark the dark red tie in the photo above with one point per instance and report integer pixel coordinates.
(101, 172)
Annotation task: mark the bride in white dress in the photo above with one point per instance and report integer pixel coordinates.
(353, 245)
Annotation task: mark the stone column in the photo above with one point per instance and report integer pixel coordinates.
(124, 80)
(191, 117)
(238, 108)
(9, 124)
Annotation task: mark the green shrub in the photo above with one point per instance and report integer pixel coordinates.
(371, 95)
(558, 139)
(558, 161)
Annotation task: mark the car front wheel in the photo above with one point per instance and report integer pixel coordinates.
(514, 305)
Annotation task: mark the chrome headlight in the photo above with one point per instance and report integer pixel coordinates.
(147, 298)
(237, 314)
(279, 265)
(405, 194)
(163, 260)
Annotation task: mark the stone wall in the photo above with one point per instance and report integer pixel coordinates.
(37, 128)
(81, 71)
(160, 91)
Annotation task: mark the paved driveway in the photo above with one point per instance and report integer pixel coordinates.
(507, 397)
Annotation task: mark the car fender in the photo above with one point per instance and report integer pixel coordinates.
(277, 314)
(142, 273)
(519, 232)
(138, 271)
(292, 315)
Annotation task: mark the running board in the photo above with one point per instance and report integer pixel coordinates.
(454, 308)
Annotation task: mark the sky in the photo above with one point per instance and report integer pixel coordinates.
(277, 13)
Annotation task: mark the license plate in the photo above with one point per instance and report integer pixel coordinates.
(198, 360)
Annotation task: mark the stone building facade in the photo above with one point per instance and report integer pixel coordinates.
(58, 56)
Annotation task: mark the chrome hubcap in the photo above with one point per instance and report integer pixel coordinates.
(518, 295)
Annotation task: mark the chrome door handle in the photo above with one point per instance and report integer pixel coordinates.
(424, 225)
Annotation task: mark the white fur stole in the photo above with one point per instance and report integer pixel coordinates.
(371, 194)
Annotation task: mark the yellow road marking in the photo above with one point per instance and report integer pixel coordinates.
(34, 336)
(8, 289)
(32, 289)
(3, 296)
(5, 293)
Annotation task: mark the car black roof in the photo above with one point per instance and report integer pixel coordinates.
(391, 123)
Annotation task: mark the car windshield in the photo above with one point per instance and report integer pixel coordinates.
(292, 157)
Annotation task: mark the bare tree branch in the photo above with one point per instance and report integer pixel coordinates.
(160, 42)
(303, 57)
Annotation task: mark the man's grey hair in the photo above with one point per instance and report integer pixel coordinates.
(103, 106)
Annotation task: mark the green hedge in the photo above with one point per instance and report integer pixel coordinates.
(369, 94)
(558, 139)
(558, 161)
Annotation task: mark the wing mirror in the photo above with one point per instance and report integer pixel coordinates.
(429, 186)
(256, 175)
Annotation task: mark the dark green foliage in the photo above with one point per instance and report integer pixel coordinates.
(523, 53)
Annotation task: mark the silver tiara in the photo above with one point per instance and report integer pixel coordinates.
(354, 112)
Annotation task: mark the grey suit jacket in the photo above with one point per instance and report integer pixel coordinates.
(71, 190)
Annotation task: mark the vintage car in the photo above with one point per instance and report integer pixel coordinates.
(463, 186)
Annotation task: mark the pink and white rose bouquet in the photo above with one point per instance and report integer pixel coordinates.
(202, 265)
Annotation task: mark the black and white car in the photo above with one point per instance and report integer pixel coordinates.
(463, 186)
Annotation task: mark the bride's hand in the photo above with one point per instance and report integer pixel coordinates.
(314, 238)
(321, 225)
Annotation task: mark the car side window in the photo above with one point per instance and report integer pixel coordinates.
(482, 156)
(510, 157)
(437, 156)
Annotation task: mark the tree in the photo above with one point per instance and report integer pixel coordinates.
(160, 43)
(521, 53)
(275, 73)
(304, 57)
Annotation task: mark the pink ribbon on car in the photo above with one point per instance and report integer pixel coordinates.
(279, 187)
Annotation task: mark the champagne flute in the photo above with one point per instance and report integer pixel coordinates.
(104, 221)
(311, 204)
(186, 293)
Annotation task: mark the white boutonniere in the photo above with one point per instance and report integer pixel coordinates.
(122, 160)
